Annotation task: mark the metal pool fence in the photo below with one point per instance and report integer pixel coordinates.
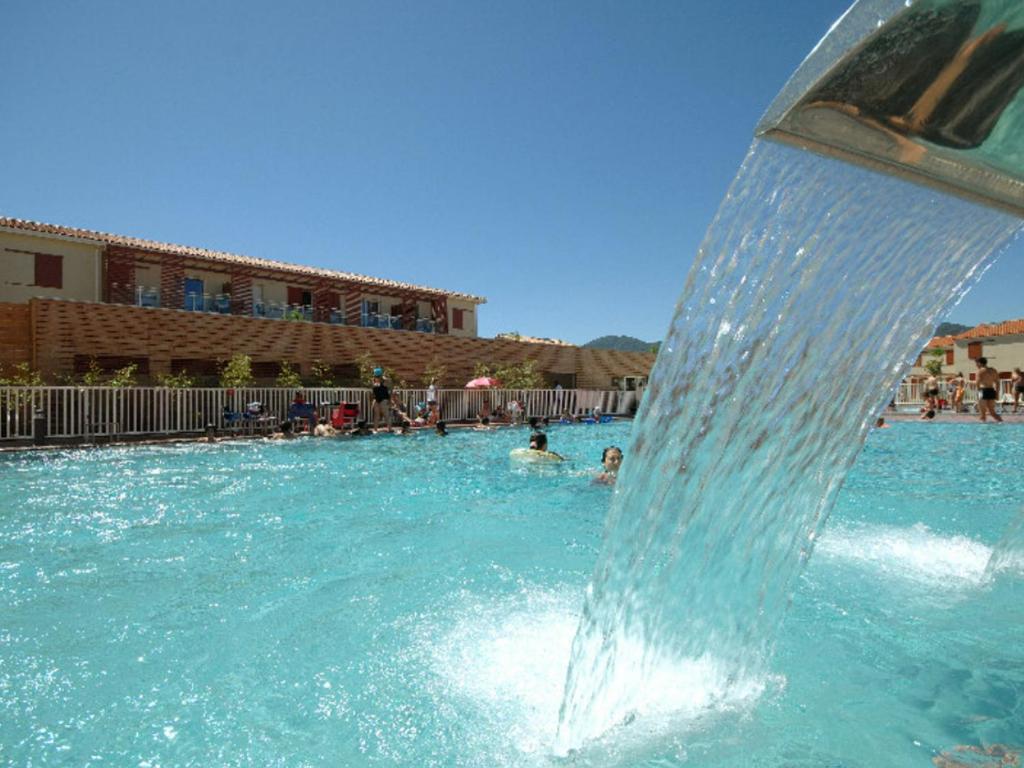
(83, 413)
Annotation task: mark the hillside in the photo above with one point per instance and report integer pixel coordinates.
(622, 343)
(951, 329)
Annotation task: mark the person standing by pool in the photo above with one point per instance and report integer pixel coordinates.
(931, 391)
(959, 387)
(381, 402)
(1017, 382)
(988, 390)
(432, 401)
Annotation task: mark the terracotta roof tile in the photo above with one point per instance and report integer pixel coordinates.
(222, 256)
(1005, 328)
(939, 342)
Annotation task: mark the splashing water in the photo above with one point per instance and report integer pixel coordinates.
(1008, 554)
(816, 286)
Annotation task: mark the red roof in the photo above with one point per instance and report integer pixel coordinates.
(940, 342)
(1005, 328)
(220, 256)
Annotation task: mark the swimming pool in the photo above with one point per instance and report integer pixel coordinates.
(411, 601)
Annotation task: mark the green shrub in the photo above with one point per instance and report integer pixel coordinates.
(123, 377)
(322, 374)
(22, 376)
(94, 376)
(288, 378)
(180, 380)
(237, 372)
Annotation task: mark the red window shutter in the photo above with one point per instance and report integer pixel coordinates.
(294, 295)
(974, 350)
(457, 318)
(949, 357)
(49, 271)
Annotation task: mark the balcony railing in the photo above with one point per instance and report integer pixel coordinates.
(208, 302)
(147, 297)
(394, 322)
(220, 303)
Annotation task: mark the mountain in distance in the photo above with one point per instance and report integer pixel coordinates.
(951, 329)
(623, 344)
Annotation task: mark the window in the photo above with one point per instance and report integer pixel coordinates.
(49, 271)
(974, 350)
(949, 357)
(457, 319)
(299, 296)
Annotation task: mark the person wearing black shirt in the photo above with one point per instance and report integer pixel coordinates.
(381, 402)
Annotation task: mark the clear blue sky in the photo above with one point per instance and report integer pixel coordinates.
(563, 159)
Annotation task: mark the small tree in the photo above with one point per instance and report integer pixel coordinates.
(93, 377)
(180, 380)
(323, 374)
(237, 372)
(366, 368)
(435, 372)
(934, 365)
(288, 377)
(22, 376)
(522, 375)
(123, 377)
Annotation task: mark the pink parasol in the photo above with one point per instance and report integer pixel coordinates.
(483, 382)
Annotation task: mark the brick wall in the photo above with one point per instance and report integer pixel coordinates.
(15, 335)
(64, 329)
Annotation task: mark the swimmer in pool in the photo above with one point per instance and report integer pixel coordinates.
(611, 460)
(539, 442)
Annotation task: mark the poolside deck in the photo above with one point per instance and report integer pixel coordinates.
(948, 417)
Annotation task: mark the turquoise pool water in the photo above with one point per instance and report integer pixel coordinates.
(411, 601)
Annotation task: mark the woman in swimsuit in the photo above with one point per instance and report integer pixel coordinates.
(381, 402)
(959, 386)
(1017, 382)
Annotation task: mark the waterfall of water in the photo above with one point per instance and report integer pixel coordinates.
(816, 286)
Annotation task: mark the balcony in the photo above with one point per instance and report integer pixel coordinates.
(394, 322)
(276, 310)
(220, 303)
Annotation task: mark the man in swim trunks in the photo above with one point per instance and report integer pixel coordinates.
(988, 390)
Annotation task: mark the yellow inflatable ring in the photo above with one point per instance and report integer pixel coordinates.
(529, 454)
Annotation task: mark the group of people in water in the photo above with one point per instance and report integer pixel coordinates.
(426, 417)
(987, 380)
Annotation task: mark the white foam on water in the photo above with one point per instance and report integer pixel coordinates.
(508, 658)
(914, 554)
